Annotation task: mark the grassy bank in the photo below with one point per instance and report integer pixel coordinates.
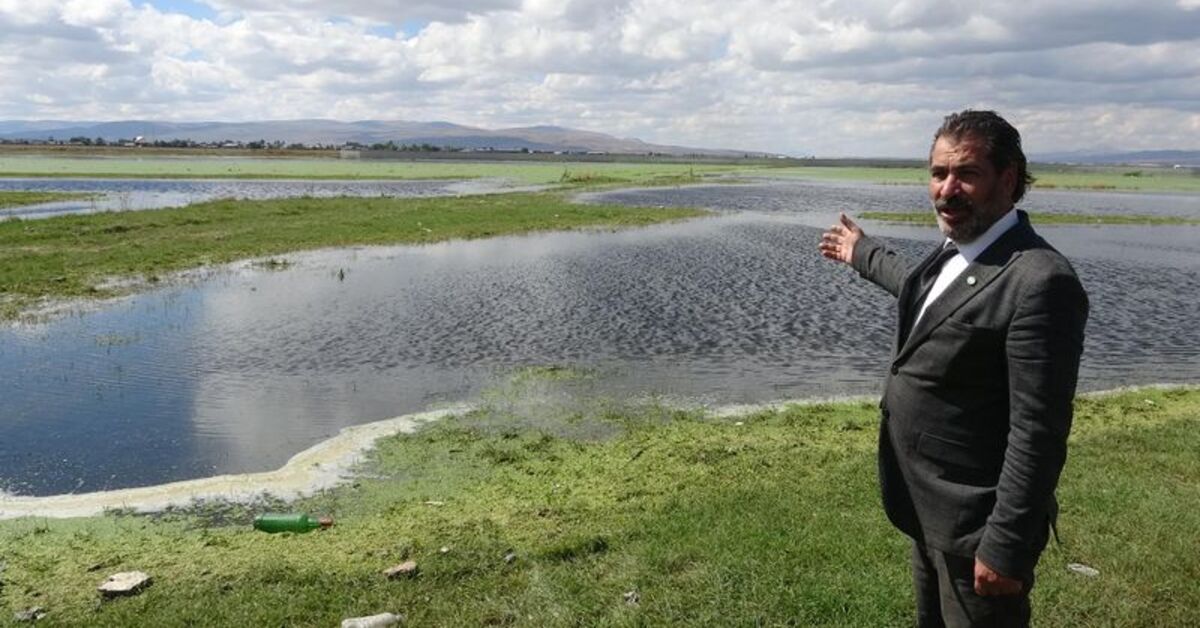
(291, 166)
(73, 256)
(533, 173)
(19, 198)
(1048, 177)
(1041, 218)
(632, 516)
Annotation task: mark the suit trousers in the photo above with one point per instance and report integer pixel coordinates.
(945, 588)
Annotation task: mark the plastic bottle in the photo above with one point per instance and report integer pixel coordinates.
(290, 522)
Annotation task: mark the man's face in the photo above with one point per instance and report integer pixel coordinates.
(967, 193)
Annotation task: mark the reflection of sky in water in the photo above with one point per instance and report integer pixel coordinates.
(239, 371)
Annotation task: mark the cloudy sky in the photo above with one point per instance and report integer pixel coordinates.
(827, 77)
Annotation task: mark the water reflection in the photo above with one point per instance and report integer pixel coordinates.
(240, 371)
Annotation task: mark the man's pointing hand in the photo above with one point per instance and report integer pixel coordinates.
(838, 243)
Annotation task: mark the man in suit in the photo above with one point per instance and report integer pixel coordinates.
(977, 402)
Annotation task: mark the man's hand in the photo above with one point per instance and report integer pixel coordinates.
(838, 243)
(988, 582)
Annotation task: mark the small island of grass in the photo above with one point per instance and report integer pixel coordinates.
(77, 255)
(21, 198)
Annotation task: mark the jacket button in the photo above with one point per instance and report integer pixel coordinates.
(895, 369)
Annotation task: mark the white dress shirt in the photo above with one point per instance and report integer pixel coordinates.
(967, 252)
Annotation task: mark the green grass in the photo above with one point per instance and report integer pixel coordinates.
(767, 519)
(1117, 178)
(73, 256)
(19, 198)
(1048, 177)
(1041, 218)
(296, 168)
(17, 164)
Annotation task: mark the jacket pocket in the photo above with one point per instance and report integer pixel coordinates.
(972, 330)
(942, 449)
(957, 462)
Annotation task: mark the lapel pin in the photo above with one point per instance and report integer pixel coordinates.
(971, 280)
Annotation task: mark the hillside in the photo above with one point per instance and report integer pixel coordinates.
(366, 132)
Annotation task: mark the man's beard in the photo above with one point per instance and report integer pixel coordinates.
(974, 222)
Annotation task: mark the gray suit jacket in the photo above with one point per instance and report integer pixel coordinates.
(977, 404)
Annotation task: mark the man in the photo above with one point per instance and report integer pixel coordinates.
(978, 400)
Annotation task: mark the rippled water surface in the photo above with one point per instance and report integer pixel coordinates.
(238, 371)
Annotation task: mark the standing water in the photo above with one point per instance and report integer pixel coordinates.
(241, 369)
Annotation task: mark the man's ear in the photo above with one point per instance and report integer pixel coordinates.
(1008, 181)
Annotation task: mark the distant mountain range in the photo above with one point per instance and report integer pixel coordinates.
(366, 132)
(449, 135)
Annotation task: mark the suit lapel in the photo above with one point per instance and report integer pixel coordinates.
(978, 274)
(907, 299)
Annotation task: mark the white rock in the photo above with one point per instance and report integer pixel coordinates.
(1083, 570)
(406, 569)
(124, 583)
(373, 621)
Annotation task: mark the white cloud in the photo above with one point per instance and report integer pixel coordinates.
(378, 10)
(842, 77)
(94, 13)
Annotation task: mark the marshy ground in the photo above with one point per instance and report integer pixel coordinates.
(629, 516)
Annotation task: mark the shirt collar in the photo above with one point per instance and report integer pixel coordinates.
(973, 249)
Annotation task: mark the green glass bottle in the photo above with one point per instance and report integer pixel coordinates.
(290, 522)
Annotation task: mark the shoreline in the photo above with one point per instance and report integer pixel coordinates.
(331, 463)
(324, 465)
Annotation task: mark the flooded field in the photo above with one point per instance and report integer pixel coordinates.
(137, 194)
(238, 370)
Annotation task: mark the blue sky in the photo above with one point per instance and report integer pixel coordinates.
(201, 11)
(197, 10)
